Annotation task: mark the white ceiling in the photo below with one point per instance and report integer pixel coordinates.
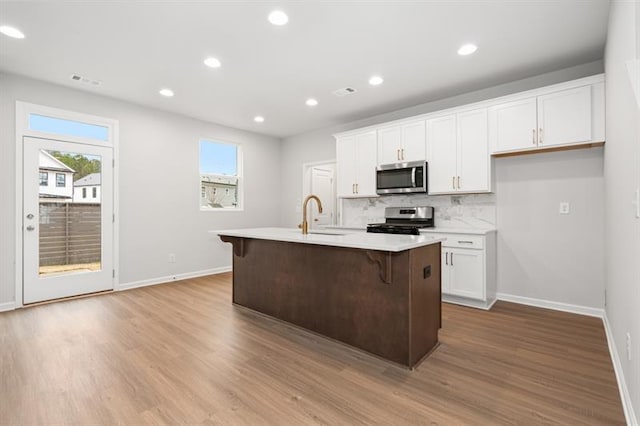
(136, 48)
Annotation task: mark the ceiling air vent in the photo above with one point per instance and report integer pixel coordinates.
(344, 91)
(85, 80)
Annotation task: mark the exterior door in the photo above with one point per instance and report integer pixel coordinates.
(322, 186)
(67, 219)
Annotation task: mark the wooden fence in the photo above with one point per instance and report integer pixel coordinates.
(70, 233)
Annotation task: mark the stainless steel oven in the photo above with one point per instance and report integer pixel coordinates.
(401, 178)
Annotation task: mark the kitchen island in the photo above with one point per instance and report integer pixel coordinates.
(377, 292)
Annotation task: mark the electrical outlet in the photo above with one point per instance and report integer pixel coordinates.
(172, 258)
(565, 207)
(628, 346)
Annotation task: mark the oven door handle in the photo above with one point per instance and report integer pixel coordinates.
(413, 177)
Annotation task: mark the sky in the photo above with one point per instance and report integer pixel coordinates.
(61, 126)
(218, 158)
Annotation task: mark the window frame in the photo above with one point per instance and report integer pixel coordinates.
(64, 180)
(239, 176)
(84, 192)
(94, 192)
(44, 182)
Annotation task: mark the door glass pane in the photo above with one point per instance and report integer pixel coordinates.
(61, 126)
(70, 224)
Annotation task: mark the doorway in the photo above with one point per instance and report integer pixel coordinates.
(66, 227)
(319, 179)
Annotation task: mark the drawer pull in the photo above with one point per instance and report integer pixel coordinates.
(464, 242)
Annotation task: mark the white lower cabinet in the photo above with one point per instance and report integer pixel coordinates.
(469, 269)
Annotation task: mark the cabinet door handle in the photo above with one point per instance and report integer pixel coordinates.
(397, 154)
(540, 136)
(357, 192)
(446, 258)
(533, 136)
(464, 242)
(453, 182)
(451, 259)
(353, 188)
(458, 182)
(402, 154)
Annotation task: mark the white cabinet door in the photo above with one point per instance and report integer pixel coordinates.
(389, 145)
(564, 117)
(445, 270)
(513, 125)
(346, 166)
(414, 143)
(473, 152)
(366, 162)
(467, 273)
(442, 157)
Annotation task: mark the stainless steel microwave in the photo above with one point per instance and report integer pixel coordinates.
(401, 178)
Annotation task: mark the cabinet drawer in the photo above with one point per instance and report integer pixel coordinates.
(460, 240)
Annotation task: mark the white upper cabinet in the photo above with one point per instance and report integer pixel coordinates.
(473, 152)
(443, 154)
(565, 117)
(513, 125)
(402, 143)
(562, 117)
(356, 165)
(458, 159)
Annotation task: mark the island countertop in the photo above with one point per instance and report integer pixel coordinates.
(358, 240)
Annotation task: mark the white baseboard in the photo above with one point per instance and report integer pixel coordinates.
(7, 306)
(627, 406)
(172, 278)
(548, 304)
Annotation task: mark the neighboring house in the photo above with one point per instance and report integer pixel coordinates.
(217, 191)
(87, 189)
(56, 178)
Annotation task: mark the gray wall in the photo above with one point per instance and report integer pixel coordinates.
(542, 254)
(557, 279)
(622, 179)
(159, 183)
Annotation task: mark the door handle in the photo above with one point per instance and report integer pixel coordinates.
(540, 136)
(30, 216)
(446, 257)
(402, 154)
(533, 136)
(453, 182)
(451, 259)
(31, 228)
(458, 182)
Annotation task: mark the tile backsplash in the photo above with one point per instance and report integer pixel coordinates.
(451, 211)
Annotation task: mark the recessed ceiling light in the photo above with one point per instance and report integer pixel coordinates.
(11, 32)
(311, 102)
(467, 49)
(258, 119)
(278, 17)
(376, 80)
(212, 62)
(166, 92)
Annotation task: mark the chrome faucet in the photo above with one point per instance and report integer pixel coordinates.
(305, 225)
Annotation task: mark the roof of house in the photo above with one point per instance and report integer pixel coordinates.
(88, 180)
(49, 162)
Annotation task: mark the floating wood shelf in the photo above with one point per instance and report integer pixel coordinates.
(550, 149)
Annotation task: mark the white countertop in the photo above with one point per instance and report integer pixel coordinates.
(335, 238)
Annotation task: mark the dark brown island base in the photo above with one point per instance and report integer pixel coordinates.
(383, 302)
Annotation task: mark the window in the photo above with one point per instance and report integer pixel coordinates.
(220, 168)
(94, 192)
(44, 179)
(62, 126)
(84, 192)
(61, 180)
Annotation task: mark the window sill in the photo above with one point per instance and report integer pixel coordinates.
(212, 209)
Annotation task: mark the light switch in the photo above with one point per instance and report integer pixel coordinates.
(565, 207)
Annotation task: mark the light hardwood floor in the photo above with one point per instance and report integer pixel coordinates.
(181, 353)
